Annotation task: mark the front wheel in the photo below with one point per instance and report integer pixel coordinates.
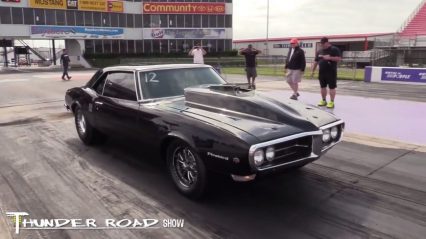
(187, 170)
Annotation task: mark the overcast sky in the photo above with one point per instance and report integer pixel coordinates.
(289, 18)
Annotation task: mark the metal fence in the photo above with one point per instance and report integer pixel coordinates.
(349, 68)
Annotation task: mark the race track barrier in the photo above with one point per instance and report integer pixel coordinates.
(395, 74)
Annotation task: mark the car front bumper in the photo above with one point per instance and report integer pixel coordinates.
(314, 148)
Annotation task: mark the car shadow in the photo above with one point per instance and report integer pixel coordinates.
(290, 202)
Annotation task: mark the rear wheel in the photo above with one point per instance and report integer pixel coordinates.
(85, 130)
(187, 170)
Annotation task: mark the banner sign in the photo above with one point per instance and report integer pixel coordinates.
(50, 4)
(301, 44)
(64, 32)
(72, 4)
(404, 74)
(100, 5)
(183, 8)
(83, 5)
(92, 5)
(115, 6)
(170, 33)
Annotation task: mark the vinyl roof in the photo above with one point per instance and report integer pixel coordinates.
(154, 67)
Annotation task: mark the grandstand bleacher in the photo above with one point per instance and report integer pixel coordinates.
(416, 24)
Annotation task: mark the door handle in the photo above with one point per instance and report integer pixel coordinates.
(99, 103)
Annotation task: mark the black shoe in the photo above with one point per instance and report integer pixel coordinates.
(297, 94)
(63, 78)
(293, 97)
(69, 77)
(253, 86)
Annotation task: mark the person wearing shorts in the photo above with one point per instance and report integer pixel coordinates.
(327, 59)
(295, 67)
(250, 54)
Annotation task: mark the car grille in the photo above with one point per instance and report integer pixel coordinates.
(292, 150)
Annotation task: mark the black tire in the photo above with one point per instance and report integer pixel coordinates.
(85, 130)
(187, 172)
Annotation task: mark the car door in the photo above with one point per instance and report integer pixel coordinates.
(116, 109)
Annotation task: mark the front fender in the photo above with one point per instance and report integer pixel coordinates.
(221, 151)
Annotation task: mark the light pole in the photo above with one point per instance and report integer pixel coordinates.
(267, 28)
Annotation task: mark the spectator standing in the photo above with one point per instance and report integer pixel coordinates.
(198, 53)
(327, 59)
(250, 54)
(295, 67)
(65, 61)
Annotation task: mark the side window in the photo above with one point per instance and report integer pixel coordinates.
(120, 85)
(94, 79)
(99, 85)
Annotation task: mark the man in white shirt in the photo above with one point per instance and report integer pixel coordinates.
(198, 52)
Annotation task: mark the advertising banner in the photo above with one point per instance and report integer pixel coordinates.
(83, 5)
(404, 74)
(92, 5)
(169, 33)
(115, 6)
(50, 4)
(183, 8)
(72, 4)
(63, 32)
(288, 45)
(100, 5)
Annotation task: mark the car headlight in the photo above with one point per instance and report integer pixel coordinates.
(334, 132)
(258, 157)
(326, 135)
(270, 153)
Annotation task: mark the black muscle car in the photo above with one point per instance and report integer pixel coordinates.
(197, 122)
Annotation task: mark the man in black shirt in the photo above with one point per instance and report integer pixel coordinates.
(327, 59)
(294, 67)
(65, 60)
(250, 54)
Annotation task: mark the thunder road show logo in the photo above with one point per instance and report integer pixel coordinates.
(22, 222)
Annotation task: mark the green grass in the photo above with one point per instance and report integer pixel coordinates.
(342, 73)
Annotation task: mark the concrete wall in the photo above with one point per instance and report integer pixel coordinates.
(75, 51)
(11, 31)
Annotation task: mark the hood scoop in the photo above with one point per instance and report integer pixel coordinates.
(233, 100)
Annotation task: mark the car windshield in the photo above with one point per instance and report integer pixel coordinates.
(172, 82)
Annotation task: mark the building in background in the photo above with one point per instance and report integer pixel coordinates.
(311, 44)
(120, 27)
(405, 46)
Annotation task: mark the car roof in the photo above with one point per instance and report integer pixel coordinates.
(154, 67)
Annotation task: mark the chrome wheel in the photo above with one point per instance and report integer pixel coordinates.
(185, 166)
(81, 122)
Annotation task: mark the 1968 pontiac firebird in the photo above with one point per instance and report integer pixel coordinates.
(197, 122)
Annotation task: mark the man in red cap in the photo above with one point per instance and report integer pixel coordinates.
(295, 67)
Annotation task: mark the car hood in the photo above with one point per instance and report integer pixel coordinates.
(252, 112)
